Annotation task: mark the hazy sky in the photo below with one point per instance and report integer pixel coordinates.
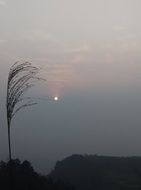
(90, 52)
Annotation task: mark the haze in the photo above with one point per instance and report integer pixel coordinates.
(90, 54)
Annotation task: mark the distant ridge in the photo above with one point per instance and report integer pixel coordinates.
(93, 172)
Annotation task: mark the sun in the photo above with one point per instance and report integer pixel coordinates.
(56, 98)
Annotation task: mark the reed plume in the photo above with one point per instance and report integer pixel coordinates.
(21, 78)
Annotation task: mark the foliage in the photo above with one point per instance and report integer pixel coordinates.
(25, 178)
(94, 172)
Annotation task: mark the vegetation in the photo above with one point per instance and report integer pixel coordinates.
(20, 79)
(25, 178)
(100, 172)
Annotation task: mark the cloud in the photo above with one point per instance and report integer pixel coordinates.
(81, 49)
(2, 41)
(39, 35)
(58, 76)
(119, 28)
(3, 3)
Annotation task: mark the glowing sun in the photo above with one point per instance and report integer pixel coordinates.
(56, 98)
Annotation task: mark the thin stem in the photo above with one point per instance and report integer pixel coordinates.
(9, 144)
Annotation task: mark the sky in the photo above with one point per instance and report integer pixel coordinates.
(90, 55)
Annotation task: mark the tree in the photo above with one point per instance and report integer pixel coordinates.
(21, 78)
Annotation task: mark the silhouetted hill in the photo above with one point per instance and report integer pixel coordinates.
(93, 172)
(15, 175)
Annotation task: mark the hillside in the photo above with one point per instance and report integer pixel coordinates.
(17, 175)
(92, 172)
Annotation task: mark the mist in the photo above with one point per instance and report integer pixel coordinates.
(89, 52)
